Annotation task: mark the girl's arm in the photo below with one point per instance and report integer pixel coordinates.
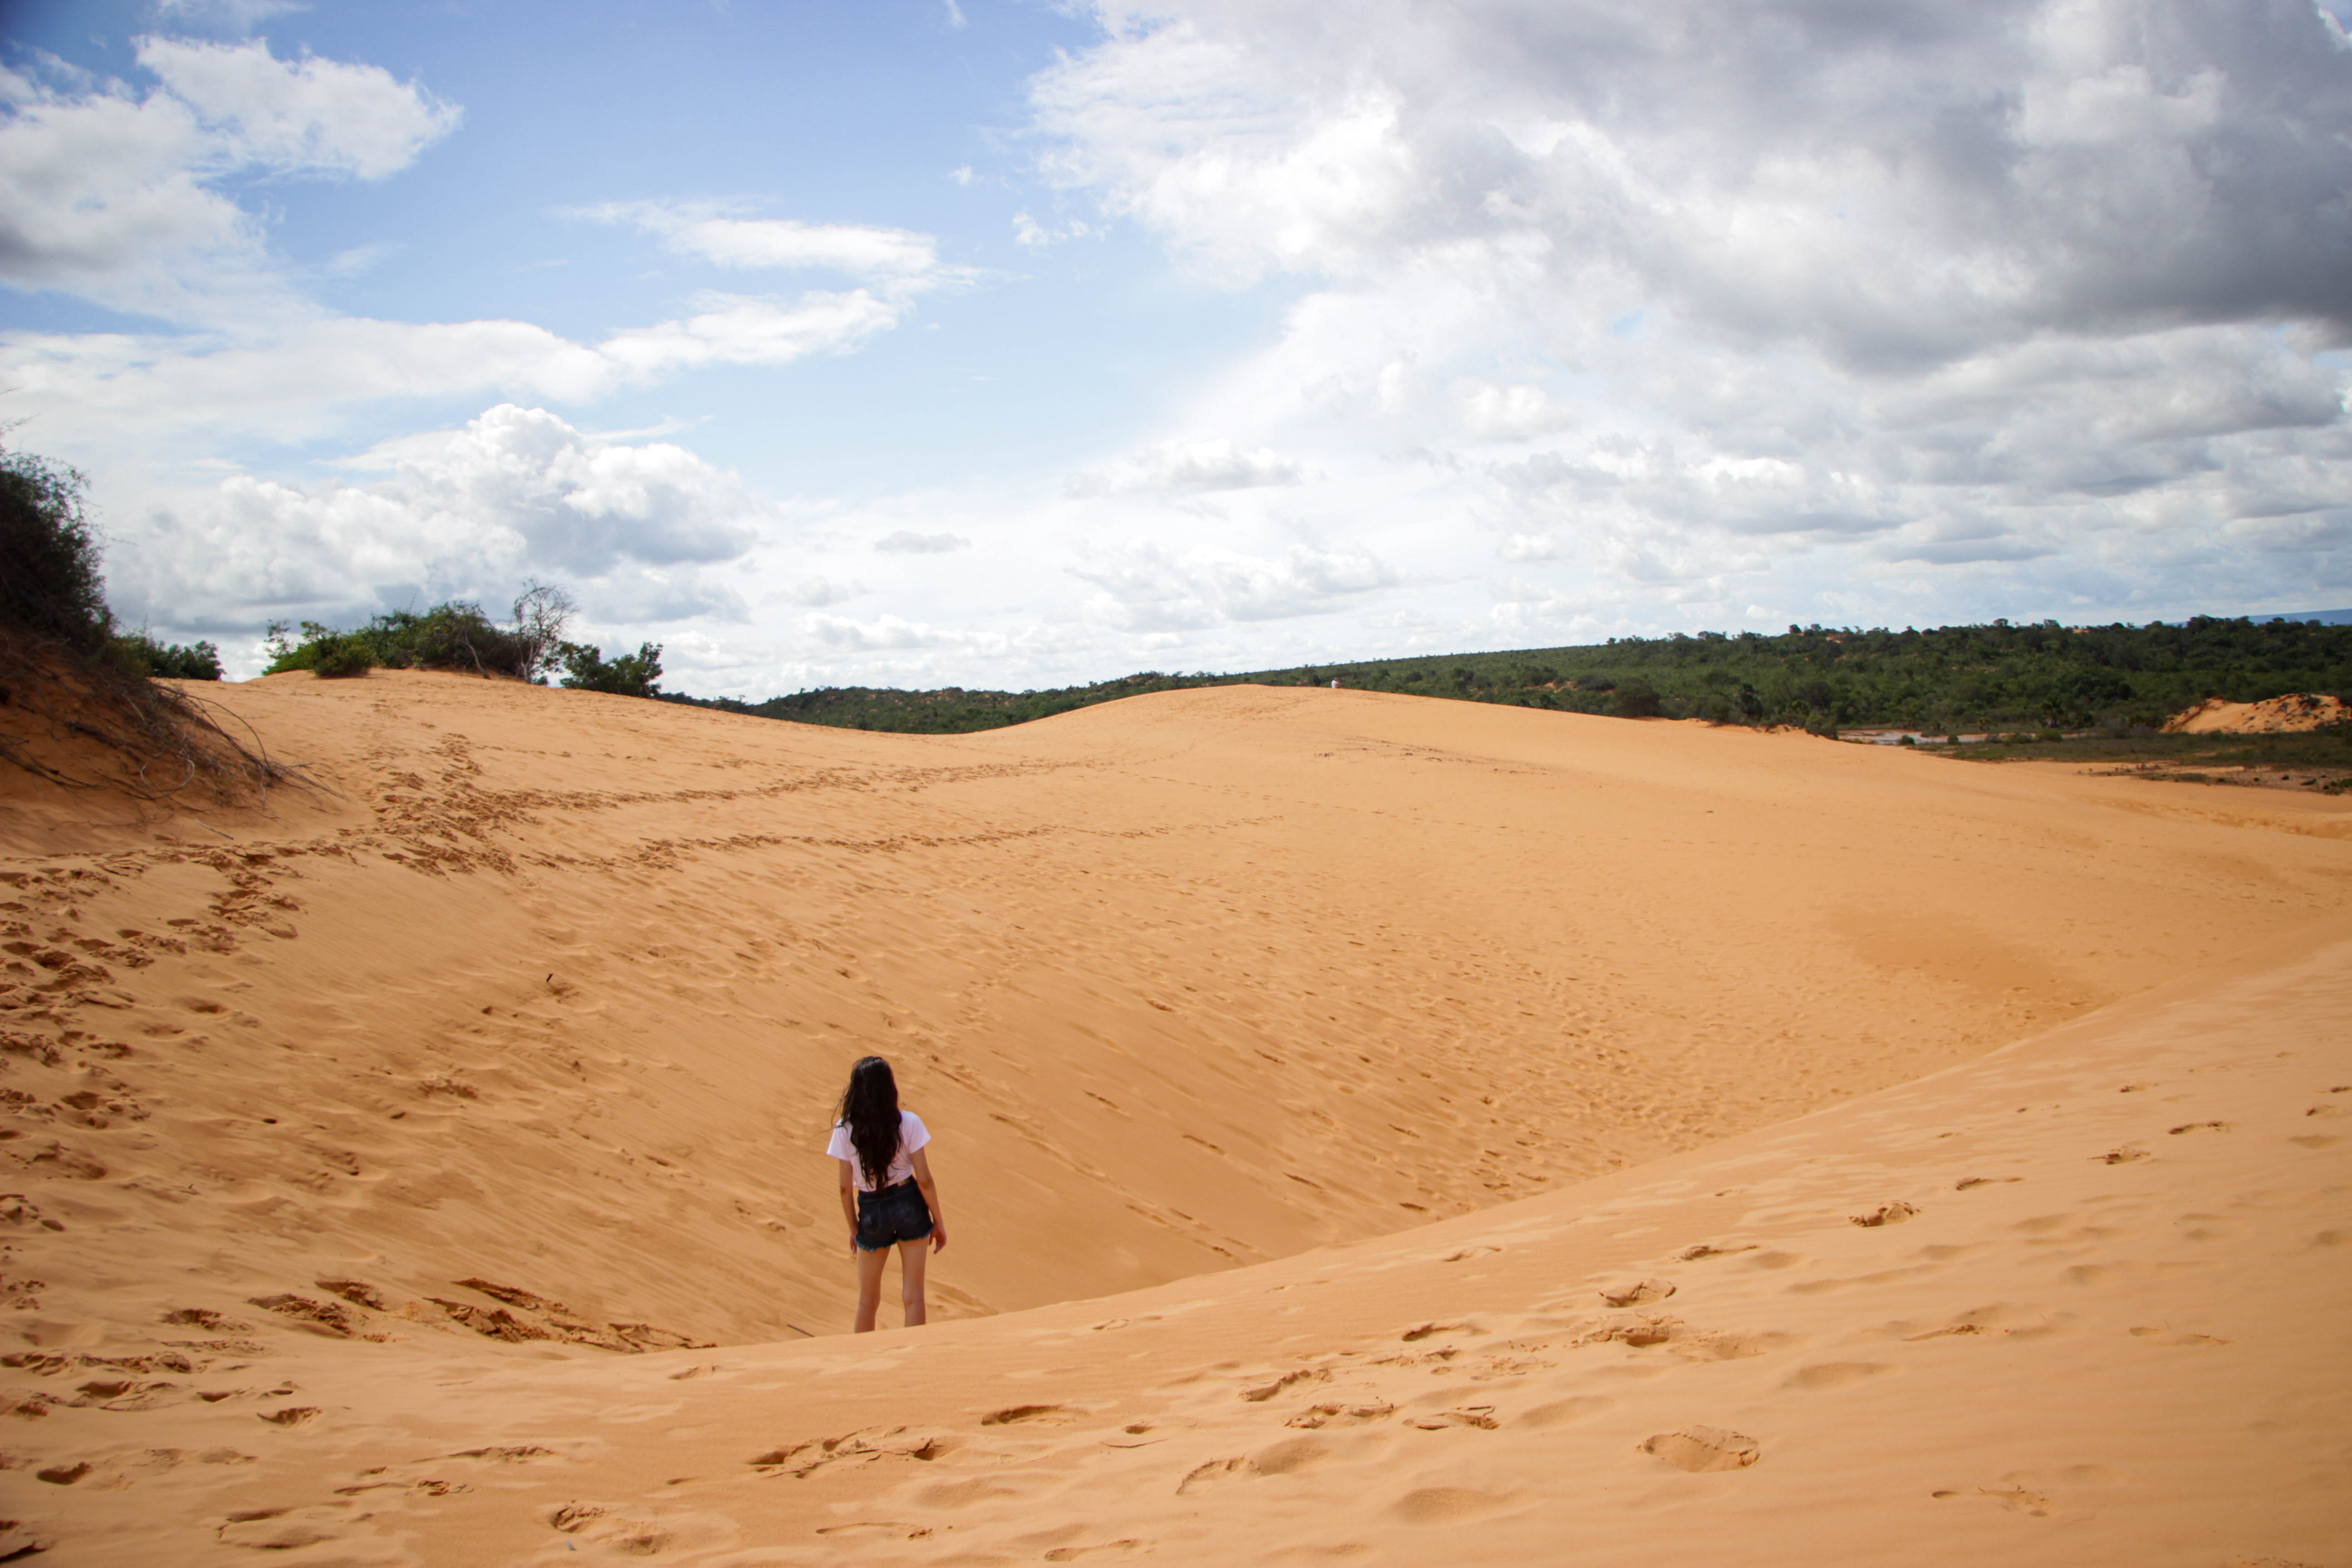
(931, 1196)
(849, 1201)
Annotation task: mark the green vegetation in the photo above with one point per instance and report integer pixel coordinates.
(458, 636)
(52, 586)
(952, 711)
(635, 674)
(84, 711)
(452, 636)
(197, 661)
(2328, 749)
(2000, 677)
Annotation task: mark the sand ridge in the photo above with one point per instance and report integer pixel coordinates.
(518, 1045)
(2295, 712)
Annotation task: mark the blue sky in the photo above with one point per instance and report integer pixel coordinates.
(1008, 343)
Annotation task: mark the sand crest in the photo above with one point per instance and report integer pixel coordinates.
(2292, 714)
(384, 1167)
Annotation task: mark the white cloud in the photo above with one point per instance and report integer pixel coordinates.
(734, 331)
(1035, 236)
(467, 514)
(1891, 183)
(1188, 467)
(906, 542)
(308, 116)
(886, 257)
(108, 194)
(817, 593)
(1701, 305)
(885, 633)
(1148, 586)
(300, 381)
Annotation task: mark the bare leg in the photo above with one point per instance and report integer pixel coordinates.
(912, 1256)
(869, 1286)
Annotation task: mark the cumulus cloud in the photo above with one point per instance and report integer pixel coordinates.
(517, 493)
(109, 193)
(1722, 304)
(1895, 183)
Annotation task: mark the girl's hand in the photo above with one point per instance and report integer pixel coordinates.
(938, 1235)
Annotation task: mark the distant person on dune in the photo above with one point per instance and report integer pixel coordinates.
(886, 1192)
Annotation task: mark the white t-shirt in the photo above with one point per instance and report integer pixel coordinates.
(912, 1135)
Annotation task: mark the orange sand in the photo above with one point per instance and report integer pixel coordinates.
(553, 994)
(2294, 713)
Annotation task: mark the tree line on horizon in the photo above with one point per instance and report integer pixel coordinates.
(2041, 676)
(1946, 679)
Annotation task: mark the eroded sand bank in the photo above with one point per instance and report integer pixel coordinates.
(552, 995)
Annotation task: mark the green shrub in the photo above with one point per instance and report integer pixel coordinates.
(62, 662)
(50, 582)
(1635, 699)
(142, 654)
(456, 634)
(340, 657)
(635, 674)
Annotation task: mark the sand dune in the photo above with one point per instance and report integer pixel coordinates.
(2294, 713)
(419, 1104)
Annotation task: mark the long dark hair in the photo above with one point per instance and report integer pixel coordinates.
(870, 1109)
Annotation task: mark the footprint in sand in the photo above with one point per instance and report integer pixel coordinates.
(1707, 1249)
(1292, 1453)
(2199, 1127)
(1208, 1475)
(2016, 1499)
(1480, 1416)
(1634, 1293)
(1838, 1374)
(1013, 1414)
(2164, 1336)
(962, 1494)
(1266, 1391)
(1560, 1412)
(1700, 1449)
(280, 1530)
(1316, 1417)
(1124, 1547)
(1445, 1505)
(1893, 1212)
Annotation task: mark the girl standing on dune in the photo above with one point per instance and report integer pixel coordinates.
(886, 1192)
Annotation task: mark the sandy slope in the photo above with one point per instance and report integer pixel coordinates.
(2293, 713)
(2098, 1318)
(551, 997)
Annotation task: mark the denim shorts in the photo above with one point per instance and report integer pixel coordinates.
(894, 1214)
